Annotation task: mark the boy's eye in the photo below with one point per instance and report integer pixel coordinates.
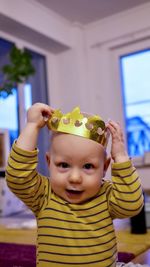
(88, 166)
(63, 165)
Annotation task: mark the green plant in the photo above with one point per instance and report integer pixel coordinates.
(17, 71)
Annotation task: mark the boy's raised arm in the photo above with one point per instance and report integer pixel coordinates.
(126, 197)
(36, 119)
(118, 151)
(21, 172)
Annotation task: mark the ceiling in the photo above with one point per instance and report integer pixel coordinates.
(87, 11)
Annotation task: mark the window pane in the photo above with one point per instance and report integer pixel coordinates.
(8, 105)
(135, 70)
(141, 110)
(27, 96)
(9, 114)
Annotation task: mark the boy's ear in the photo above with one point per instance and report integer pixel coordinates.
(48, 158)
(106, 165)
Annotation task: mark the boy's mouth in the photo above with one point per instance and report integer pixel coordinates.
(73, 192)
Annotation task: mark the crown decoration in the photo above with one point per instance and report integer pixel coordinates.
(81, 124)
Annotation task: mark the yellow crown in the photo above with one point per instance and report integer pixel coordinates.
(81, 124)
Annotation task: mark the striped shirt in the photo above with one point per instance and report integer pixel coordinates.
(74, 234)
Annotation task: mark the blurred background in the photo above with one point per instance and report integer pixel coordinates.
(91, 53)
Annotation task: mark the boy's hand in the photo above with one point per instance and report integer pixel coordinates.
(118, 151)
(38, 114)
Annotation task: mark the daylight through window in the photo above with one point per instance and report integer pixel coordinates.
(135, 71)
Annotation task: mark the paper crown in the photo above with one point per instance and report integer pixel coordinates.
(81, 124)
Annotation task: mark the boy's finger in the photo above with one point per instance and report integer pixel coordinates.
(45, 118)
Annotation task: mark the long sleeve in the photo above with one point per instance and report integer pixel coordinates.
(23, 179)
(125, 197)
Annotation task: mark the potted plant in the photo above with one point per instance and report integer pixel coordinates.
(17, 71)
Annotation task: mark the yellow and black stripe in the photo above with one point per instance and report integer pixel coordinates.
(70, 234)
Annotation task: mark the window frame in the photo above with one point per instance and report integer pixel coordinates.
(117, 53)
(49, 59)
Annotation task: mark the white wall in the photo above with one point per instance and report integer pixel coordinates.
(37, 18)
(82, 61)
(103, 41)
(30, 24)
(72, 75)
(106, 40)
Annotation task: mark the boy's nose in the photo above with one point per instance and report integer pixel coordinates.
(75, 176)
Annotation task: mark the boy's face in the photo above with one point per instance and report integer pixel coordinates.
(76, 167)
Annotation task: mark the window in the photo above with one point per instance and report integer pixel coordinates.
(13, 108)
(135, 71)
(9, 115)
(9, 118)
